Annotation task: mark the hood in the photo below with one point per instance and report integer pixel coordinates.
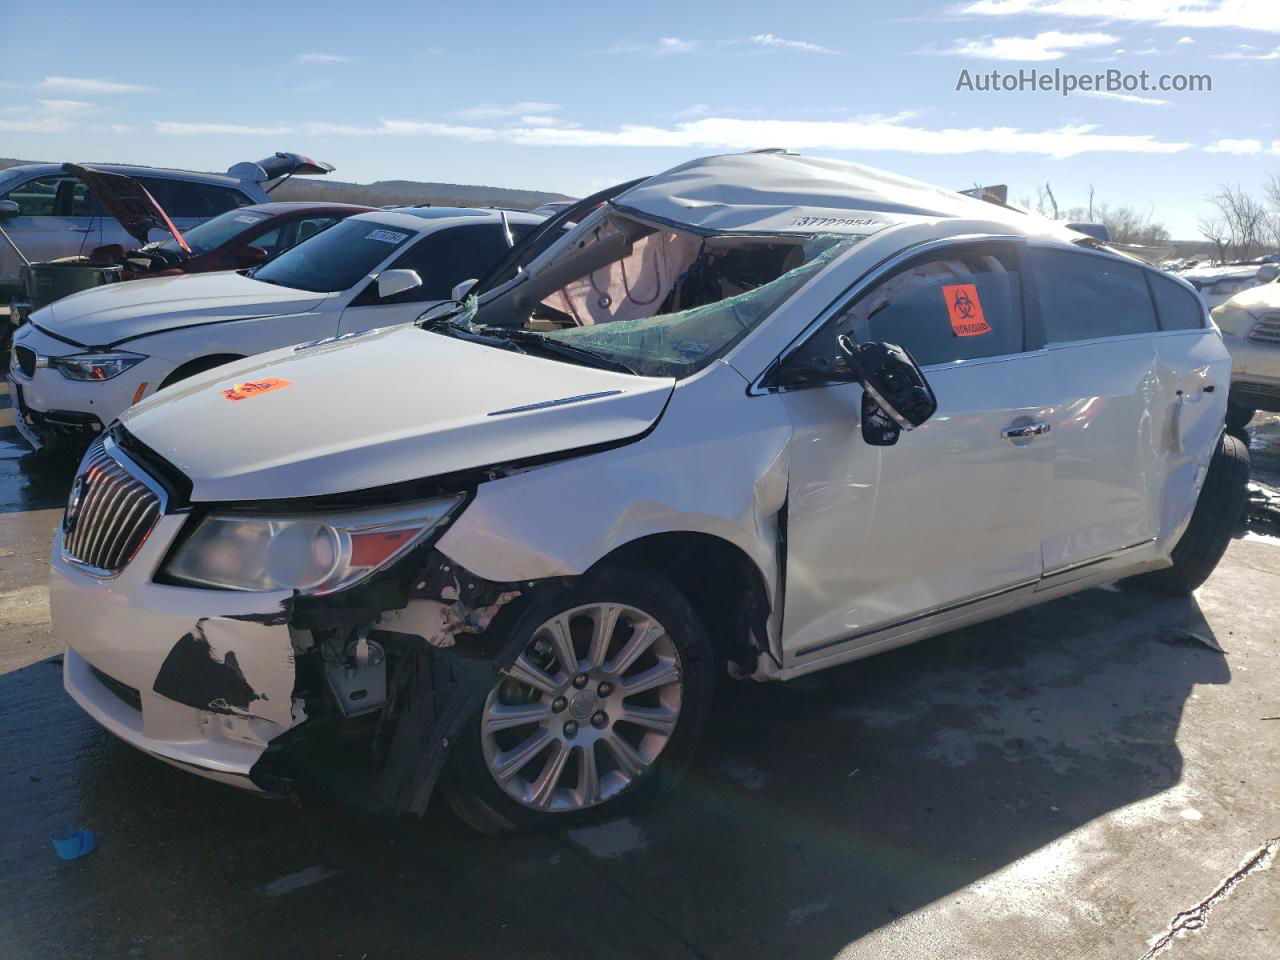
(1203, 276)
(1257, 300)
(128, 201)
(117, 312)
(394, 405)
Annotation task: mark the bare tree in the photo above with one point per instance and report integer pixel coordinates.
(1214, 229)
(1246, 221)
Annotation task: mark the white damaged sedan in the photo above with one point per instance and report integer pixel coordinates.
(762, 413)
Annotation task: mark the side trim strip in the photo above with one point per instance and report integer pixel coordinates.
(905, 621)
(563, 401)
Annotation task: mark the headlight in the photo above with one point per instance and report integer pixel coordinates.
(312, 554)
(95, 366)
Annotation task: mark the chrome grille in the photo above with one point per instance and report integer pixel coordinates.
(1266, 330)
(109, 514)
(26, 359)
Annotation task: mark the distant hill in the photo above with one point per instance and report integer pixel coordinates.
(386, 192)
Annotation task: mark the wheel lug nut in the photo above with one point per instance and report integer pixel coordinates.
(570, 729)
(559, 704)
(580, 681)
(606, 688)
(599, 719)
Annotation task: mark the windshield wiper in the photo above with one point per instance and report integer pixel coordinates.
(568, 351)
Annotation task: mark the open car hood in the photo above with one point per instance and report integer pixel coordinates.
(128, 201)
(390, 406)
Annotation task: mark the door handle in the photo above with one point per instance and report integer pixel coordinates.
(1022, 433)
(81, 229)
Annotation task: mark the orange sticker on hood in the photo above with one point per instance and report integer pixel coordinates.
(965, 310)
(251, 388)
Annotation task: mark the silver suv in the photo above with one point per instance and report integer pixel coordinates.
(58, 216)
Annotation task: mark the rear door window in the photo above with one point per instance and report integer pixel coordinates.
(1084, 296)
(1176, 307)
(184, 199)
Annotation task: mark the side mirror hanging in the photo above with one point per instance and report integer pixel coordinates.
(896, 394)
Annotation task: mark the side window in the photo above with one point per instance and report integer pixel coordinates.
(445, 259)
(311, 226)
(35, 198)
(270, 241)
(960, 304)
(1083, 296)
(181, 198)
(76, 198)
(1177, 307)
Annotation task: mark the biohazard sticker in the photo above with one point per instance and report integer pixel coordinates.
(251, 388)
(965, 310)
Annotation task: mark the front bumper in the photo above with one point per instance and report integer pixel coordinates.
(50, 407)
(121, 632)
(1255, 373)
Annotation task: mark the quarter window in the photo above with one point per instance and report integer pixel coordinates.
(1177, 307)
(1083, 296)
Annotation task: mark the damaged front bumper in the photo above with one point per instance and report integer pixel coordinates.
(202, 679)
(239, 687)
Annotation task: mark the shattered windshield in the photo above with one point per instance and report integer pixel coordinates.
(658, 302)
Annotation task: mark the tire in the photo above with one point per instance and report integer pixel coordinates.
(192, 367)
(1214, 520)
(679, 647)
(1238, 416)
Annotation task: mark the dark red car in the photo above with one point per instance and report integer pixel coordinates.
(244, 237)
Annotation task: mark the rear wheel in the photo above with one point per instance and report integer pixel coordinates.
(599, 715)
(1216, 516)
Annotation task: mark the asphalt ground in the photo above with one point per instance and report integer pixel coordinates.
(1089, 778)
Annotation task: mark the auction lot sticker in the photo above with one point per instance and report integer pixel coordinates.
(965, 310)
(386, 236)
(251, 388)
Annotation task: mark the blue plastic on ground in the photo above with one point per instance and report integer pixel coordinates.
(78, 842)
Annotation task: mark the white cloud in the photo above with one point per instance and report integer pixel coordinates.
(67, 106)
(486, 110)
(114, 127)
(538, 121)
(87, 85)
(36, 125)
(1274, 149)
(311, 58)
(888, 134)
(1246, 52)
(173, 129)
(861, 134)
(1246, 146)
(1123, 98)
(662, 47)
(1185, 41)
(1242, 14)
(771, 41)
(1050, 45)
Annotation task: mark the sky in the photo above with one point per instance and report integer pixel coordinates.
(574, 96)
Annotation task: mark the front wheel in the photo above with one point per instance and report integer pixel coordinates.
(599, 715)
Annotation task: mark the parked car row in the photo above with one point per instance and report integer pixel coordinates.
(761, 413)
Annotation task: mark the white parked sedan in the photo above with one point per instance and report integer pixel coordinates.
(82, 360)
(511, 547)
